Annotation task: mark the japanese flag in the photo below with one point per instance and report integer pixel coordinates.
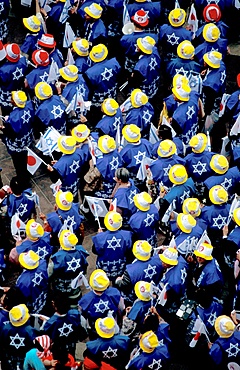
(113, 206)
(97, 206)
(204, 239)
(56, 186)
(223, 103)
(192, 19)
(162, 299)
(197, 336)
(17, 225)
(33, 162)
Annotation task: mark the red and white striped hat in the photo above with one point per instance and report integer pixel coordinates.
(2, 51)
(40, 58)
(47, 41)
(12, 52)
(140, 18)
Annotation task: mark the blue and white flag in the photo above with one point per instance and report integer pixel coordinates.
(69, 36)
(48, 142)
(70, 58)
(126, 17)
(64, 15)
(53, 73)
(153, 137)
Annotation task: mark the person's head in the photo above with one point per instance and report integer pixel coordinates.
(122, 175)
(29, 260)
(142, 250)
(212, 59)
(47, 42)
(43, 90)
(185, 50)
(211, 32)
(146, 44)
(81, 47)
(40, 58)
(140, 19)
(60, 304)
(186, 223)
(236, 216)
(64, 200)
(68, 240)
(11, 298)
(198, 143)
(2, 52)
(142, 290)
(105, 327)
(113, 221)
(19, 315)
(166, 148)
(191, 206)
(219, 164)
(212, 13)
(143, 201)
(204, 253)
(80, 133)
(224, 326)
(13, 52)
(34, 230)
(106, 144)
(148, 342)
(16, 186)
(177, 17)
(109, 107)
(169, 257)
(165, 132)
(66, 144)
(131, 133)
(181, 92)
(19, 98)
(138, 98)
(32, 24)
(218, 195)
(93, 12)
(99, 281)
(178, 174)
(98, 53)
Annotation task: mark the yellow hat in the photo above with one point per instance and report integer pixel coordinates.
(98, 53)
(29, 260)
(34, 230)
(204, 251)
(186, 222)
(94, 10)
(198, 143)
(178, 174)
(110, 106)
(80, 133)
(105, 327)
(43, 91)
(236, 216)
(19, 315)
(148, 342)
(179, 80)
(67, 240)
(69, 73)
(191, 206)
(166, 148)
(66, 144)
(142, 250)
(142, 290)
(219, 164)
(106, 144)
(146, 44)
(19, 98)
(224, 326)
(32, 23)
(169, 256)
(185, 50)
(99, 280)
(177, 17)
(81, 47)
(218, 195)
(131, 133)
(138, 98)
(211, 32)
(142, 201)
(182, 92)
(213, 59)
(113, 221)
(64, 200)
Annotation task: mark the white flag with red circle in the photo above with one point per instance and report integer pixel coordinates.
(17, 225)
(33, 162)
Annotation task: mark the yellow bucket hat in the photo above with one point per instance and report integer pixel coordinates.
(113, 221)
(177, 17)
(64, 200)
(198, 143)
(224, 326)
(131, 133)
(166, 148)
(186, 222)
(219, 164)
(138, 98)
(34, 230)
(185, 50)
(32, 23)
(106, 144)
(43, 91)
(142, 201)
(94, 10)
(110, 106)
(29, 260)
(213, 59)
(178, 174)
(80, 133)
(19, 98)
(19, 315)
(236, 216)
(98, 53)
(218, 195)
(81, 47)
(211, 32)
(66, 144)
(191, 206)
(67, 240)
(204, 251)
(148, 342)
(142, 290)
(142, 250)
(146, 44)
(99, 281)
(182, 92)
(105, 327)
(69, 73)
(169, 256)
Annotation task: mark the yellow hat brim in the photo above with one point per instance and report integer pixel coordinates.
(205, 35)
(173, 151)
(20, 323)
(30, 28)
(139, 44)
(102, 333)
(172, 179)
(213, 200)
(87, 10)
(179, 24)
(91, 283)
(139, 206)
(77, 51)
(60, 205)
(77, 138)
(181, 226)
(208, 61)
(139, 256)
(217, 328)
(100, 146)
(91, 55)
(138, 293)
(66, 77)
(199, 254)
(130, 140)
(179, 53)
(167, 260)
(174, 90)
(22, 262)
(106, 111)
(63, 150)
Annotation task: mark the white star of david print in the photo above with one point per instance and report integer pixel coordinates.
(37, 278)
(233, 350)
(44, 77)
(181, 71)
(183, 275)
(190, 112)
(114, 243)
(139, 155)
(110, 353)
(74, 264)
(49, 141)
(107, 74)
(81, 88)
(117, 121)
(223, 76)
(70, 221)
(211, 2)
(155, 365)
(153, 64)
(99, 304)
(172, 39)
(132, 193)
(73, 187)
(149, 219)
(19, 344)
(57, 111)
(62, 330)
(150, 271)
(199, 168)
(26, 116)
(146, 116)
(166, 170)
(114, 163)
(74, 166)
(1, 7)
(217, 219)
(212, 318)
(186, 194)
(17, 73)
(227, 183)
(22, 209)
(42, 252)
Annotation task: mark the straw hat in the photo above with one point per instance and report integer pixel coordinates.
(213, 59)
(186, 222)
(219, 164)
(224, 326)
(236, 216)
(142, 290)
(185, 50)
(43, 91)
(212, 13)
(106, 144)
(146, 44)
(47, 41)
(140, 18)
(198, 143)
(204, 251)
(94, 10)
(40, 58)
(166, 148)
(138, 98)
(148, 342)
(69, 73)
(19, 315)
(110, 106)
(142, 201)
(80, 133)
(113, 221)
(218, 195)
(19, 98)
(98, 53)
(169, 256)
(191, 206)
(34, 230)
(178, 174)
(131, 133)
(177, 17)
(32, 23)
(81, 47)
(99, 280)
(13, 52)
(182, 92)
(211, 32)
(142, 250)
(29, 260)
(64, 200)
(67, 144)
(105, 327)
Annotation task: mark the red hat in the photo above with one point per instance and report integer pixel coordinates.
(47, 41)
(2, 51)
(40, 58)
(140, 18)
(12, 52)
(238, 80)
(212, 13)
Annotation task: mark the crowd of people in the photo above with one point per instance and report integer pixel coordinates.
(124, 105)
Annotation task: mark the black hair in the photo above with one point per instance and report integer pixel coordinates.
(15, 186)
(61, 304)
(122, 174)
(165, 132)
